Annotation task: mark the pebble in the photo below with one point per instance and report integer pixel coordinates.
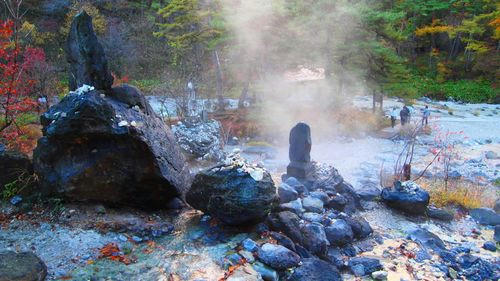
(16, 200)
(249, 245)
(490, 246)
(137, 239)
(122, 238)
(247, 255)
(379, 275)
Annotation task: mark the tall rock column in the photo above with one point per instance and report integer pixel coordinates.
(88, 63)
(299, 151)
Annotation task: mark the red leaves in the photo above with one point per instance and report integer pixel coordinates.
(17, 87)
(6, 29)
(112, 252)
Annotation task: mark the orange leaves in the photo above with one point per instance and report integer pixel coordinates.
(119, 80)
(230, 272)
(112, 252)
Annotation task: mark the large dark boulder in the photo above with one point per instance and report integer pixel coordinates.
(21, 267)
(14, 165)
(233, 192)
(313, 269)
(97, 147)
(407, 197)
(88, 63)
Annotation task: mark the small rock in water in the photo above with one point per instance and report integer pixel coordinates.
(122, 238)
(16, 200)
(313, 269)
(379, 275)
(267, 273)
(339, 233)
(364, 265)
(249, 245)
(490, 246)
(137, 239)
(257, 174)
(287, 193)
(296, 184)
(247, 256)
(123, 124)
(293, 206)
(491, 155)
(278, 257)
(312, 204)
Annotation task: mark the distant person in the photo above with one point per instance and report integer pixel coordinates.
(42, 103)
(394, 116)
(405, 115)
(425, 116)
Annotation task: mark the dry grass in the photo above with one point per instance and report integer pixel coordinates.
(354, 122)
(458, 193)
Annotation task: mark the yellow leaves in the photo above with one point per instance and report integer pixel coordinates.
(434, 28)
(31, 33)
(477, 46)
(442, 72)
(98, 21)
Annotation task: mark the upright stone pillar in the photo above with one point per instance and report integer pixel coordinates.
(87, 61)
(299, 151)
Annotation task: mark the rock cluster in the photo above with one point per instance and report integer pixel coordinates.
(233, 192)
(200, 139)
(106, 144)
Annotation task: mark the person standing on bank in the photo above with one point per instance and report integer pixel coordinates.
(425, 116)
(404, 114)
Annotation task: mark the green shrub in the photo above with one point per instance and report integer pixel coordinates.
(26, 119)
(417, 85)
(146, 85)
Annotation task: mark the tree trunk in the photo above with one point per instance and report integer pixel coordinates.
(219, 81)
(244, 94)
(381, 100)
(374, 98)
(407, 172)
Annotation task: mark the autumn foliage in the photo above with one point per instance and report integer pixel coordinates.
(112, 252)
(17, 64)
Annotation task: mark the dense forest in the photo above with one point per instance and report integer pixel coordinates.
(240, 49)
(438, 48)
